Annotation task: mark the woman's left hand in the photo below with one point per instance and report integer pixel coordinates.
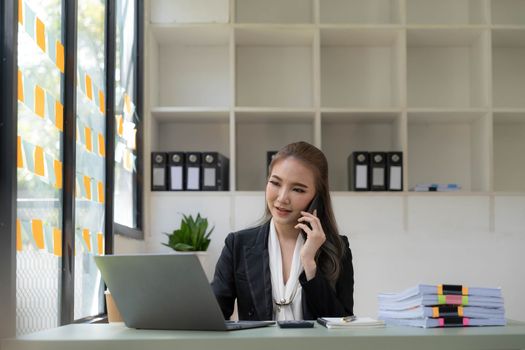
(315, 237)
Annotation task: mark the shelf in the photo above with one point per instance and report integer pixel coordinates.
(509, 148)
(191, 35)
(440, 78)
(190, 194)
(257, 133)
(190, 11)
(333, 116)
(447, 68)
(509, 110)
(274, 11)
(353, 111)
(360, 67)
(274, 68)
(190, 114)
(512, 194)
(508, 38)
(508, 12)
(360, 11)
(274, 35)
(342, 194)
(449, 147)
(445, 37)
(274, 115)
(450, 12)
(450, 194)
(344, 133)
(445, 116)
(193, 132)
(193, 66)
(508, 65)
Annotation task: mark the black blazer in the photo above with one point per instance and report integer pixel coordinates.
(243, 273)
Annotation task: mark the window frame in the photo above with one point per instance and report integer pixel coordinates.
(119, 229)
(69, 36)
(8, 170)
(8, 154)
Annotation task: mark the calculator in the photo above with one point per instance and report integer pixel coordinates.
(295, 324)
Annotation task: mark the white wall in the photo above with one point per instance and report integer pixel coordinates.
(125, 245)
(397, 241)
(455, 252)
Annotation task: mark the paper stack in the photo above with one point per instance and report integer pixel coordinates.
(443, 306)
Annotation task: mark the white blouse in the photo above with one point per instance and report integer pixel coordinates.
(286, 298)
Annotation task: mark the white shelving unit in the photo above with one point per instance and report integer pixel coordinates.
(509, 144)
(345, 132)
(447, 12)
(193, 66)
(442, 81)
(362, 12)
(262, 131)
(274, 11)
(189, 11)
(450, 147)
(274, 67)
(508, 62)
(508, 74)
(508, 12)
(447, 68)
(361, 68)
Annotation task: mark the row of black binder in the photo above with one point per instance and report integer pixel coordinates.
(189, 171)
(375, 171)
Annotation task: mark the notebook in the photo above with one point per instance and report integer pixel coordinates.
(165, 291)
(358, 322)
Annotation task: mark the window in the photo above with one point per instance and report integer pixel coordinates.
(127, 120)
(51, 193)
(90, 156)
(39, 163)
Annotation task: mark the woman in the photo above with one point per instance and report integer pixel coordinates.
(295, 265)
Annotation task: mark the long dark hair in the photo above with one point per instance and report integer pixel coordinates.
(330, 254)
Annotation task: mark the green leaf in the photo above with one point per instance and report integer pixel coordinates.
(193, 234)
(183, 247)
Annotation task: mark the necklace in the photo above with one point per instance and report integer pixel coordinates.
(283, 302)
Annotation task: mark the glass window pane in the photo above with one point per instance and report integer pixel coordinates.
(90, 157)
(39, 197)
(126, 117)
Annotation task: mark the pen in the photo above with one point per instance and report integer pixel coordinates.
(349, 318)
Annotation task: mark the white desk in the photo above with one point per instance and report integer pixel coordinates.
(117, 336)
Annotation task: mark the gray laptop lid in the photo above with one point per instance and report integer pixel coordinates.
(168, 291)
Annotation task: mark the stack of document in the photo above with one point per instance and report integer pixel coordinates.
(443, 306)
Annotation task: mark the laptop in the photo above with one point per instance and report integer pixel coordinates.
(165, 291)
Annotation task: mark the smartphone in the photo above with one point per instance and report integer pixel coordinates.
(314, 204)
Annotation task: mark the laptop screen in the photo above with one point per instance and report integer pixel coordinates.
(161, 291)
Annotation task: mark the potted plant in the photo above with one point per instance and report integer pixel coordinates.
(191, 236)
